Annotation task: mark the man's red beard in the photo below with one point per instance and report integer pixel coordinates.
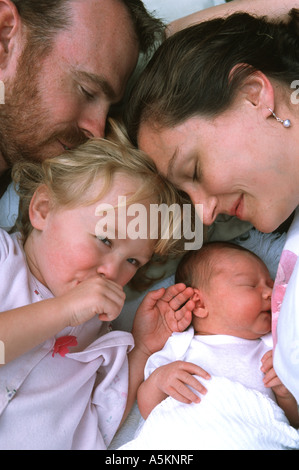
(24, 122)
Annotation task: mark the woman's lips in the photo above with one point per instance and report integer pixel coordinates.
(237, 208)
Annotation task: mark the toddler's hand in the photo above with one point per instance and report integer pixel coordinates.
(94, 296)
(162, 312)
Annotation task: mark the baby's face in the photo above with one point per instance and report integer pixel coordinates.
(239, 296)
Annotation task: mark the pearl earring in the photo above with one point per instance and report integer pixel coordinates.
(285, 122)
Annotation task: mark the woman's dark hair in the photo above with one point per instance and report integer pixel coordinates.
(198, 70)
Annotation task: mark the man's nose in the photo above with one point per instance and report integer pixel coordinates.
(93, 124)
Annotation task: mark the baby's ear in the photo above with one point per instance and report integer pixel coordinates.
(200, 310)
(39, 207)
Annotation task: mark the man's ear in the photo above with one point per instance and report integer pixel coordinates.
(257, 90)
(10, 23)
(200, 310)
(39, 208)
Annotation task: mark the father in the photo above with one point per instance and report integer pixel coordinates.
(63, 63)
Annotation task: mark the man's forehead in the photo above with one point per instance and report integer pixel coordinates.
(100, 45)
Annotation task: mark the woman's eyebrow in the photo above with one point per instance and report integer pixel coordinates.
(171, 164)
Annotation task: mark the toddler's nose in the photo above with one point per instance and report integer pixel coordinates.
(108, 270)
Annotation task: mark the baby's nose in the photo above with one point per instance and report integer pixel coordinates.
(267, 293)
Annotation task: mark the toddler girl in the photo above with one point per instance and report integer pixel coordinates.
(64, 384)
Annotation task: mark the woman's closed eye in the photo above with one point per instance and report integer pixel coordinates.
(195, 175)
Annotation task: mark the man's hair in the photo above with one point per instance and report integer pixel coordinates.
(44, 18)
(149, 29)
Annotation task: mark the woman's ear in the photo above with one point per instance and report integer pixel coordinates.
(200, 310)
(257, 90)
(39, 208)
(10, 23)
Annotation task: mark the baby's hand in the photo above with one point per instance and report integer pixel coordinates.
(176, 378)
(94, 296)
(271, 380)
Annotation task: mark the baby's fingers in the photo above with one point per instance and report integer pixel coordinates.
(181, 392)
(186, 389)
(187, 372)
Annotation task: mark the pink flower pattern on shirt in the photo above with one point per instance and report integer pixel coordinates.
(285, 268)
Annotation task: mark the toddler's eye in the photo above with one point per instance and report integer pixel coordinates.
(104, 240)
(134, 261)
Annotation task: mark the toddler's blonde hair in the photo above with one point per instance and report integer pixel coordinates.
(69, 176)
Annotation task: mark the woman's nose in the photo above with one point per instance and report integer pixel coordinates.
(209, 205)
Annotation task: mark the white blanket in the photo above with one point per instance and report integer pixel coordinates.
(229, 417)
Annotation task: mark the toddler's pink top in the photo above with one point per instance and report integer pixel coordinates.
(51, 398)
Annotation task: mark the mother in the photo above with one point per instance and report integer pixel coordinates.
(217, 109)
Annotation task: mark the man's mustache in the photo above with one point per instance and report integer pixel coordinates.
(72, 138)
